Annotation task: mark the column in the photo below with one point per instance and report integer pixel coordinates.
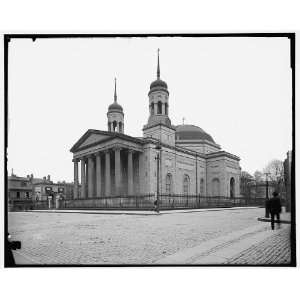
(83, 190)
(141, 172)
(130, 172)
(75, 178)
(155, 108)
(117, 170)
(90, 176)
(107, 173)
(98, 174)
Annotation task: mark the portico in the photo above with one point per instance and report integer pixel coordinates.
(110, 171)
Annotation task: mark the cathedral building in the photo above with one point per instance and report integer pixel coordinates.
(190, 161)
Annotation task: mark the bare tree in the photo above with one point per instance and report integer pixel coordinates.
(275, 170)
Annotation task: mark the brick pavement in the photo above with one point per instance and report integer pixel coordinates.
(273, 250)
(57, 238)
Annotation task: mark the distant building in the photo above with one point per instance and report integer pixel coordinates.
(22, 190)
(19, 187)
(43, 189)
(258, 189)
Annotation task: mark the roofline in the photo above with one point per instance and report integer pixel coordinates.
(176, 148)
(222, 153)
(199, 141)
(111, 135)
(45, 183)
(158, 124)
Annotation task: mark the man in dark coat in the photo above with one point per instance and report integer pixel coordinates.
(274, 206)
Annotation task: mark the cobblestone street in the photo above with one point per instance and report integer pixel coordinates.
(75, 238)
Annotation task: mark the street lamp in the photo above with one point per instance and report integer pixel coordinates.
(267, 195)
(157, 158)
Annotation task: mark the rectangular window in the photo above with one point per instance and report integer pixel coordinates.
(18, 195)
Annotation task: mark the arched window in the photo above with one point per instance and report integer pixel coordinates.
(232, 187)
(166, 109)
(159, 108)
(169, 184)
(152, 109)
(216, 187)
(186, 185)
(202, 187)
(120, 126)
(114, 126)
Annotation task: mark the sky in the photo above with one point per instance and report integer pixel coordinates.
(239, 90)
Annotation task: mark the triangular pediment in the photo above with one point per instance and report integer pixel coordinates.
(91, 137)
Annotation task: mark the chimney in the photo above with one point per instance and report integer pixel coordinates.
(48, 177)
(44, 178)
(31, 176)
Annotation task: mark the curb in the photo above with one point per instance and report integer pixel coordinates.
(275, 221)
(143, 213)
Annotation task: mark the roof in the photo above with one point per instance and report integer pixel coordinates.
(192, 132)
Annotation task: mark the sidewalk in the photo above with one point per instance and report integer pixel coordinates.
(138, 212)
(257, 245)
(285, 218)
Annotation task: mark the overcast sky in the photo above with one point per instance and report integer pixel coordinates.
(236, 89)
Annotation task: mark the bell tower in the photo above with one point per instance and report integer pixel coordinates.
(159, 124)
(115, 115)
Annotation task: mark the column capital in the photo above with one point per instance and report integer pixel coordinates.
(117, 148)
(131, 151)
(106, 151)
(75, 160)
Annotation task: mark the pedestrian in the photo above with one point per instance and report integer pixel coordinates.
(274, 206)
(9, 258)
(155, 205)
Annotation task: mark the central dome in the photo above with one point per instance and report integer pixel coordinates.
(192, 132)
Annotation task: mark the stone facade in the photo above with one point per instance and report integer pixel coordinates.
(113, 163)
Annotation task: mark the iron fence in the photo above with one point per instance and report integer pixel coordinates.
(138, 202)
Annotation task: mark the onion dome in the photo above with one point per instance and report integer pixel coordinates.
(192, 132)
